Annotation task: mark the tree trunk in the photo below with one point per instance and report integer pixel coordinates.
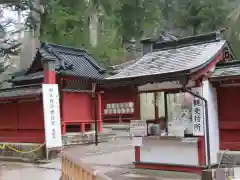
(93, 28)
(30, 40)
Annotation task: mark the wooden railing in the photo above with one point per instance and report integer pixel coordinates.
(74, 169)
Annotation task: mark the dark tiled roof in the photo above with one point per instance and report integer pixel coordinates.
(31, 76)
(172, 60)
(163, 36)
(21, 91)
(72, 61)
(229, 69)
(117, 68)
(69, 61)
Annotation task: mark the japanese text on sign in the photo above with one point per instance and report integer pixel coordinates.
(138, 128)
(52, 115)
(197, 114)
(52, 112)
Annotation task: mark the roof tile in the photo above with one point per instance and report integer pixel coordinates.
(15, 92)
(31, 76)
(228, 70)
(69, 61)
(171, 60)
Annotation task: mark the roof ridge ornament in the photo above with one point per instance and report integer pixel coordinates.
(220, 34)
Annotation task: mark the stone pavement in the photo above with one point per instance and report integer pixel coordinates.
(114, 158)
(23, 171)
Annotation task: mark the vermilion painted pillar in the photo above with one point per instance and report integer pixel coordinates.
(49, 71)
(201, 151)
(63, 129)
(137, 154)
(99, 112)
(156, 106)
(82, 127)
(137, 106)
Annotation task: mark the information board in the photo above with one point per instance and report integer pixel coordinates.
(138, 128)
(51, 110)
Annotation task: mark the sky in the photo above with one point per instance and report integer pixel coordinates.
(9, 15)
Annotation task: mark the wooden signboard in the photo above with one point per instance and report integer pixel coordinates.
(138, 128)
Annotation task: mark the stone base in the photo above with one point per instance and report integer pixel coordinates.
(229, 158)
(117, 126)
(23, 152)
(218, 174)
(86, 138)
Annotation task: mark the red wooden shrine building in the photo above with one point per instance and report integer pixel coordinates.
(21, 106)
(76, 72)
(204, 62)
(202, 68)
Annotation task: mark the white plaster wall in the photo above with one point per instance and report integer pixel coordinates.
(210, 94)
(147, 109)
(169, 152)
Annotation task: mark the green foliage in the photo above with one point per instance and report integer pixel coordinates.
(67, 21)
(233, 31)
(137, 17)
(64, 23)
(200, 16)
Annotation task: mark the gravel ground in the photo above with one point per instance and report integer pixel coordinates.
(114, 158)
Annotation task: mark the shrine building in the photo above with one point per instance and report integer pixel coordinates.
(21, 106)
(189, 87)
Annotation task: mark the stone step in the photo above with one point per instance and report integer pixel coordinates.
(122, 126)
(80, 138)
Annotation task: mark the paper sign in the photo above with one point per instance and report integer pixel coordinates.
(198, 113)
(138, 128)
(51, 115)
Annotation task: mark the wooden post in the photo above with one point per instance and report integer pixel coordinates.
(82, 127)
(49, 71)
(99, 113)
(63, 128)
(137, 153)
(156, 106)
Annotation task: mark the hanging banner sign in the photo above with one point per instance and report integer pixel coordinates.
(52, 120)
(198, 113)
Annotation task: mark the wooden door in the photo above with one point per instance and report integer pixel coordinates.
(229, 117)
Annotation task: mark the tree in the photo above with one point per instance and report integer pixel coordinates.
(196, 17)
(104, 27)
(100, 26)
(138, 18)
(233, 27)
